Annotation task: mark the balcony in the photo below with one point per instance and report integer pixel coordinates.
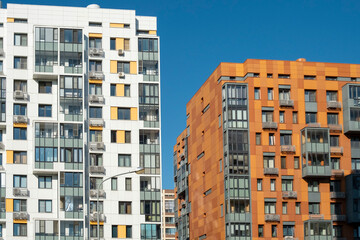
(269, 125)
(271, 171)
(21, 192)
(96, 75)
(97, 99)
(286, 103)
(338, 218)
(337, 172)
(335, 127)
(333, 105)
(316, 217)
(288, 148)
(20, 119)
(289, 194)
(93, 193)
(272, 218)
(290, 238)
(20, 216)
(20, 95)
(94, 122)
(97, 169)
(97, 146)
(337, 150)
(337, 195)
(316, 171)
(93, 217)
(96, 52)
(314, 125)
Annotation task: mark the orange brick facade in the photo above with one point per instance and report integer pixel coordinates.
(202, 205)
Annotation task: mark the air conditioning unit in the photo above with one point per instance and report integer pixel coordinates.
(19, 94)
(121, 74)
(93, 193)
(93, 98)
(20, 119)
(100, 145)
(16, 191)
(121, 52)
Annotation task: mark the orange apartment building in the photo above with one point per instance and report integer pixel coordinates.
(271, 151)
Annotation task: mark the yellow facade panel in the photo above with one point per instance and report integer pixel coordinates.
(95, 223)
(96, 128)
(119, 43)
(113, 113)
(19, 221)
(116, 25)
(133, 67)
(152, 32)
(9, 205)
(121, 231)
(133, 114)
(9, 157)
(10, 19)
(95, 35)
(113, 66)
(20, 125)
(95, 81)
(120, 90)
(120, 136)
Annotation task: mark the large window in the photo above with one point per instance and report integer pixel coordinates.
(71, 35)
(313, 186)
(20, 229)
(288, 230)
(285, 139)
(70, 179)
(332, 118)
(71, 86)
(95, 42)
(148, 45)
(331, 96)
(267, 116)
(71, 155)
(151, 210)
(46, 154)
(95, 89)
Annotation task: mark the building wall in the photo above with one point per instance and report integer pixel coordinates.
(119, 24)
(168, 214)
(206, 136)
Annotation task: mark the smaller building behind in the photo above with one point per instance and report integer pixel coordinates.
(168, 214)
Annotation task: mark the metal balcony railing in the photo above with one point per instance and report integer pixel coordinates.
(97, 169)
(286, 103)
(271, 171)
(289, 194)
(269, 125)
(272, 218)
(337, 150)
(288, 148)
(333, 105)
(335, 127)
(337, 195)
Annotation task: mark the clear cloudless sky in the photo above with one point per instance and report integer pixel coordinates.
(196, 35)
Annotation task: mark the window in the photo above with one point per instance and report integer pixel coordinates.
(258, 138)
(124, 160)
(297, 207)
(295, 117)
(95, 112)
(272, 185)
(148, 45)
(269, 162)
(270, 207)
(95, 24)
(45, 182)
(1, 66)
(221, 212)
(219, 119)
(310, 96)
(20, 85)
(284, 207)
(19, 181)
(95, 89)
(332, 118)
(207, 192)
(273, 230)
(123, 113)
(20, 62)
(270, 94)
(113, 136)
(313, 186)
(220, 165)
(124, 207)
(127, 184)
(284, 94)
(282, 117)
(269, 75)
(19, 133)
(20, 205)
(288, 230)
(337, 231)
(93, 231)
(71, 179)
(267, 116)
(309, 77)
(335, 163)
(310, 117)
(296, 163)
(286, 184)
(284, 76)
(20, 157)
(271, 139)
(127, 137)
(128, 233)
(259, 184)
(95, 66)
(113, 184)
(20, 229)
(261, 231)
(285, 139)
(113, 90)
(20, 39)
(123, 67)
(331, 96)
(45, 206)
(355, 165)
(45, 87)
(20, 20)
(314, 208)
(44, 110)
(283, 162)
(112, 43)
(335, 186)
(256, 93)
(334, 140)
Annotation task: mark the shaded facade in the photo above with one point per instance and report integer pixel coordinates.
(271, 150)
(168, 214)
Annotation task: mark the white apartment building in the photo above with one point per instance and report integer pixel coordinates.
(80, 102)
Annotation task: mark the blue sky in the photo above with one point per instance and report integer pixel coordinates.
(197, 35)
